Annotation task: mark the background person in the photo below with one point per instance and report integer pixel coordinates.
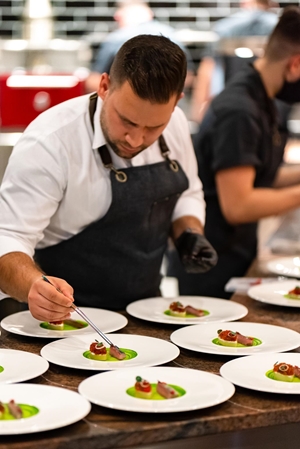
(96, 185)
(240, 152)
(133, 18)
(255, 18)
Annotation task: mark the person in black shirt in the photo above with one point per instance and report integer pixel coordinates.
(240, 151)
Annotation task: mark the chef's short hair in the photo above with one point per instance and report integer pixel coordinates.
(285, 38)
(154, 66)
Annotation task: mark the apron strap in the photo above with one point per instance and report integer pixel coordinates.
(92, 107)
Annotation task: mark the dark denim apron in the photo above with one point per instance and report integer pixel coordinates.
(117, 259)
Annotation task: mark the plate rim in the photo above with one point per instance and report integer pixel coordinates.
(188, 322)
(290, 302)
(217, 378)
(58, 336)
(261, 389)
(229, 350)
(16, 431)
(170, 344)
(24, 378)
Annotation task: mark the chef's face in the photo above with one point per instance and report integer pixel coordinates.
(129, 123)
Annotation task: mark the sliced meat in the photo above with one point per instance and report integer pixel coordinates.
(116, 352)
(243, 340)
(166, 390)
(14, 409)
(191, 310)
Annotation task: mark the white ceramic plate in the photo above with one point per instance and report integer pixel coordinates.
(274, 292)
(20, 365)
(150, 351)
(202, 389)
(153, 309)
(57, 406)
(285, 266)
(199, 338)
(23, 323)
(250, 372)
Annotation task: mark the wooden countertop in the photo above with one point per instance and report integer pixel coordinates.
(228, 425)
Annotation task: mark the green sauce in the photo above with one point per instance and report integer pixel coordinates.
(67, 327)
(155, 396)
(130, 354)
(188, 315)
(256, 342)
(270, 375)
(292, 296)
(28, 411)
(1, 369)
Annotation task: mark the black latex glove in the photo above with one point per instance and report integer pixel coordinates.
(195, 252)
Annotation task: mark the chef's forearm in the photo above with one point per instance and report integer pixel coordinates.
(182, 223)
(17, 273)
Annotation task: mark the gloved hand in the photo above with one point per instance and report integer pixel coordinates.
(195, 252)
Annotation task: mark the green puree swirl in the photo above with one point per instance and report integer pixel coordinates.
(67, 327)
(188, 315)
(130, 354)
(28, 411)
(155, 396)
(1, 369)
(270, 375)
(256, 342)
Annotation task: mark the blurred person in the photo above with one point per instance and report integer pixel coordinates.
(255, 18)
(96, 185)
(134, 17)
(240, 152)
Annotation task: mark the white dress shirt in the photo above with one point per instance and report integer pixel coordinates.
(55, 183)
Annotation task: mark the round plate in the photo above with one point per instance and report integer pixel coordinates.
(285, 266)
(153, 309)
(20, 365)
(150, 351)
(57, 406)
(202, 389)
(199, 338)
(274, 292)
(23, 323)
(250, 372)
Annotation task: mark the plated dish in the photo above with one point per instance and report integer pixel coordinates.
(204, 338)
(285, 266)
(197, 390)
(18, 366)
(40, 407)
(256, 372)
(140, 351)
(215, 310)
(23, 323)
(276, 293)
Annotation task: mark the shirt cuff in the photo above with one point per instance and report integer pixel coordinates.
(11, 245)
(189, 206)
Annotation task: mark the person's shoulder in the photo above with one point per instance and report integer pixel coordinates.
(242, 93)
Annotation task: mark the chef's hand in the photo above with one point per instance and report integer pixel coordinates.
(46, 303)
(195, 252)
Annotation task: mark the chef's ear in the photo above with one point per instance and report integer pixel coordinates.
(103, 85)
(293, 72)
(179, 98)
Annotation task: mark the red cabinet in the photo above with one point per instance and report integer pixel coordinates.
(24, 97)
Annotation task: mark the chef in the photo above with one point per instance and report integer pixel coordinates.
(97, 184)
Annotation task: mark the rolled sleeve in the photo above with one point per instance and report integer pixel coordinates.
(11, 245)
